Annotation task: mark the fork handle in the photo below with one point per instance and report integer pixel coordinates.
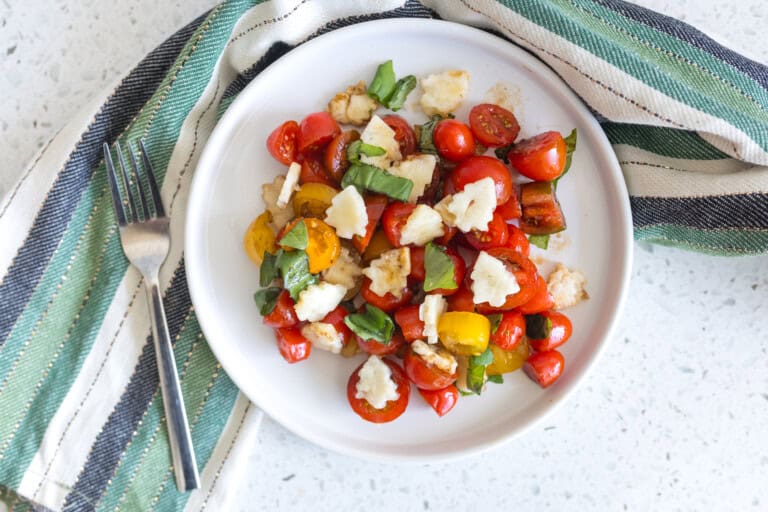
(182, 452)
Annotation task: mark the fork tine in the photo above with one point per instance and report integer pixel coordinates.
(143, 199)
(159, 210)
(126, 183)
(116, 201)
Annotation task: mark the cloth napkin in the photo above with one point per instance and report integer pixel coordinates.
(81, 419)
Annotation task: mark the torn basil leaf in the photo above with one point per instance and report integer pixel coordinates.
(439, 269)
(294, 267)
(268, 269)
(476, 371)
(495, 320)
(496, 379)
(266, 299)
(540, 241)
(426, 142)
(383, 83)
(570, 147)
(403, 88)
(373, 324)
(297, 237)
(358, 147)
(369, 177)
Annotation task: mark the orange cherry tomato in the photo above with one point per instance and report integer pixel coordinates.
(495, 236)
(283, 315)
(407, 318)
(423, 374)
(525, 274)
(292, 345)
(374, 205)
(378, 348)
(315, 132)
(335, 158)
(441, 400)
(517, 240)
(404, 134)
(475, 168)
(493, 125)
(560, 332)
(544, 368)
(453, 140)
(388, 303)
(281, 143)
(393, 220)
(393, 409)
(541, 300)
(323, 245)
(510, 331)
(540, 158)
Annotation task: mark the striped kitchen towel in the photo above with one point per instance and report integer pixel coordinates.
(81, 419)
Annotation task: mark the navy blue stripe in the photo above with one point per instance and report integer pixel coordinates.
(692, 36)
(735, 211)
(51, 222)
(117, 431)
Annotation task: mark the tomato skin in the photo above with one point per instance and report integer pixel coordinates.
(560, 333)
(312, 171)
(450, 232)
(476, 168)
(380, 349)
(388, 303)
(495, 236)
(540, 158)
(418, 271)
(454, 140)
(412, 327)
(283, 315)
(493, 125)
(510, 331)
(525, 273)
(393, 220)
(441, 400)
(510, 210)
(292, 345)
(375, 205)
(316, 131)
(517, 240)
(281, 143)
(461, 300)
(335, 157)
(393, 409)
(541, 300)
(404, 134)
(336, 319)
(424, 375)
(544, 368)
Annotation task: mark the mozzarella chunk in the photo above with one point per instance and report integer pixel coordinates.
(389, 272)
(417, 168)
(430, 312)
(289, 185)
(567, 286)
(472, 208)
(317, 300)
(378, 133)
(423, 224)
(491, 281)
(352, 106)
(435, 356)
(444, 92)
(344, 271)
(323, 336)
(280, 215)
(376, 385)
(347, 213)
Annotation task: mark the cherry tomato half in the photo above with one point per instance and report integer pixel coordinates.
(374, 206)
(381, 349)
(541, 300)
(283, 315)
(407, 318)
(394, 219)
(281, 143)
(335, 158)
(292, 345)
(388, 302)
(313, 171)
(425, 375)
(392, 409)
(541, 158)
(525, 274)
(559, 333)
(404, 134)
(462, 300)
(510, 331)
(495, 236)
(544, 368)
(493, 125)
(336, 319)
(316, 131)
(454, 140)
(542, 214)
(475, 168)
(517, 240)
(441, 400)
(510, 210)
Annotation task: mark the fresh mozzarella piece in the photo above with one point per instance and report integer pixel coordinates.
(435, 356)
(566, 286)
(376, 385)
(389, 272)
(290, 184)
(344, 271)
(444, 92)
(472, 208)
(491, 281)
(417, 168)
(347, 213)
(423, 224)
(378, 133)
(280, 215)
(430, 312)
(317, 300)
(323, 336)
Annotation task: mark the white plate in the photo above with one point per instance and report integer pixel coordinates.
(309, 398)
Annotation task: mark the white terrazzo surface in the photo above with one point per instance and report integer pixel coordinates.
(674, 418)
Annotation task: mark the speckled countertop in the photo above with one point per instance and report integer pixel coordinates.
(675, 417)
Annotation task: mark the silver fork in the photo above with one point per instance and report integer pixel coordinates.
(145, 237)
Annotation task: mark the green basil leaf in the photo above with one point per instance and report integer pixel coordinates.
(374, 324)
(268, 269)
(483, 359)
(540, 241)
(439, 269)
(383, 83)
(496, 379)
(294, 267)
(495, 320)
(426, 142)
(266, 299)
(297, 237)
(464, 393)
(570, 147)
(369, 177)
(371, 150)
(358, 147)
(403, 88)
(476, 370)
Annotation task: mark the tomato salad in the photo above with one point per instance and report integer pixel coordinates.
(410, 244)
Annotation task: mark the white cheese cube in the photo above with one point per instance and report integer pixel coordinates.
(423, 225)
(430, 311)
(378, 133)
(389, 272)
(290, 184)
(435, 356)
(347, 213)
(444, 92)
(417, 168)
(323, 336)
(472, 208)
(566, 286)
(376, 385)
(270, 193)
(491, 281)
(344, 271)
(317, 300)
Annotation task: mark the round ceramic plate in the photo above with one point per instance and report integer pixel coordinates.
(309, 398)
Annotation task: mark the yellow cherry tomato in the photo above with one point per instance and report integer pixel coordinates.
(323, 245)
(259, 237)
(312, 199)
(464, 333)
(379, 244)
(505, 361)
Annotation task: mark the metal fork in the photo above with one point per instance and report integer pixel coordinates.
(145, 237)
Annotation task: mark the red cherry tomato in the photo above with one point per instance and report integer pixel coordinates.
(559, 333)
(381, 349)
(423, 374)
(441, 400)
(418, 272)
(541, 300)
(510, 210)
(462, 300)
(374, 205)
(450, 232)
(336, 319)
(335, 158)
(544, 368)
(407, 318)
(292, 345)
(453, 140)
(429, 196)
(316, 131)
(493, 125)
(517, 240)
(281, 143)
(510, 331)
(392, 409)
(313, 171)
(525, 274)
(495, 236)
(283, 315)
(475, 168)
(404, 134)
(394, 219)
(540, 158)
(388, 302)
